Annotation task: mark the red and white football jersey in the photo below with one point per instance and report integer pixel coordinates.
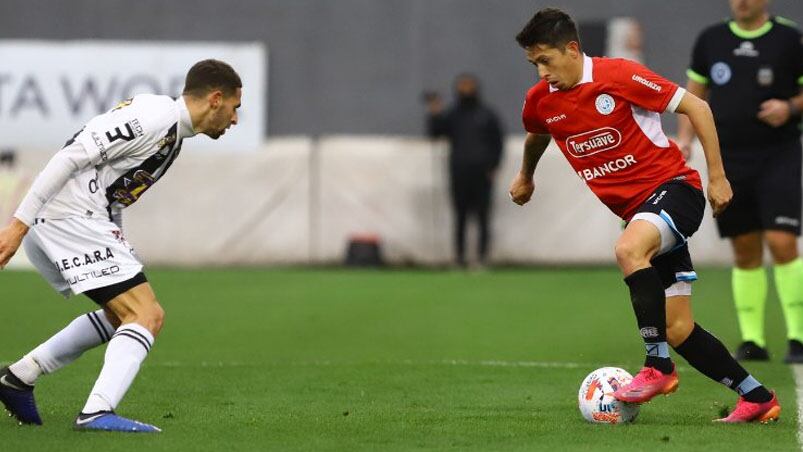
(609, 129)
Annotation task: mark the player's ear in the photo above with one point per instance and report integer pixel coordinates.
(215, 99)
(573, 47)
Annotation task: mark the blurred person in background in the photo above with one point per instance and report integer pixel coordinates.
(750, 69)
(475, 149)
(625, 39)
(13, 184)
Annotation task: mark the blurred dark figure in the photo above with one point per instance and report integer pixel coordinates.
(7, 158)
(13, 184)
(475, 142)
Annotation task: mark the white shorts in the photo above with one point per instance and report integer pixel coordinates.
(79, 254)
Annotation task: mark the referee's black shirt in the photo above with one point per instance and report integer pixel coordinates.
(742, 69)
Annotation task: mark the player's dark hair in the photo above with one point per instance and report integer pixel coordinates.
(549, 26)
(466, 76)
(209, 75)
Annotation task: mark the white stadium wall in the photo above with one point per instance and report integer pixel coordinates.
(53, 87)
(332, 75)
(298, 200)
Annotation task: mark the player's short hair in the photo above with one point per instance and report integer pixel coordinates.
(210, 75)
(466, 76)
(549, 26)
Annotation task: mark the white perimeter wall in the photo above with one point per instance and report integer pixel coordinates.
(297, 201)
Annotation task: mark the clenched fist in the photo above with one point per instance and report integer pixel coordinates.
(720, 194)
(521, 190)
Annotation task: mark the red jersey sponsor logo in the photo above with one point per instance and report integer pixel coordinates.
(607, 168)
(593, 142)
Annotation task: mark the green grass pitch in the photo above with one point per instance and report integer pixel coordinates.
(387, 360)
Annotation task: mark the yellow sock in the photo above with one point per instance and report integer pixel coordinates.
(789, 284)
(750, 297)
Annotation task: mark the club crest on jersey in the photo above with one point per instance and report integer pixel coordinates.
(605, 104)
(765, 76)
(721, 73)
(167, 141)
(593, 142)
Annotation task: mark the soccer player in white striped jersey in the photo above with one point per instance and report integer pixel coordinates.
(70, 224)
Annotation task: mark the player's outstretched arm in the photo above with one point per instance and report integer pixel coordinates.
(702, 120)
(521, 190)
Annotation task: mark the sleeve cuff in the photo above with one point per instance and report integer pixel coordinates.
(27, 210)
(26, 221)
(675, 100)
(696, 77)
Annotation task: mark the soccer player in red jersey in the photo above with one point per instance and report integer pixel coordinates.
(604, 115)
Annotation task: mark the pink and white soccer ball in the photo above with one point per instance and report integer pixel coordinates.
(596, 397)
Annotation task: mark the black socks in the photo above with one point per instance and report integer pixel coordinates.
(649, 305)
(708, 355)
(701, 349)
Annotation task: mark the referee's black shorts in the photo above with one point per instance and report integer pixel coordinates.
(767, 189)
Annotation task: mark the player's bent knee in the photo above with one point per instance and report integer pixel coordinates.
(623, 252)
(155, 319)
(147, 313)
(629, 256)
(112, 317)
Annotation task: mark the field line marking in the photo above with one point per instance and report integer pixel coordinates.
(503, 363)
(406, 362)
(441, 362)
(797, 372)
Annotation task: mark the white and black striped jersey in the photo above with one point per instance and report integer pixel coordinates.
(129, 147)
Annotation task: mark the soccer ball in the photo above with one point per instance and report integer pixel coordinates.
(596, 397)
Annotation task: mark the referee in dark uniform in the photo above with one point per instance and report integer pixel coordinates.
(750, 69)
